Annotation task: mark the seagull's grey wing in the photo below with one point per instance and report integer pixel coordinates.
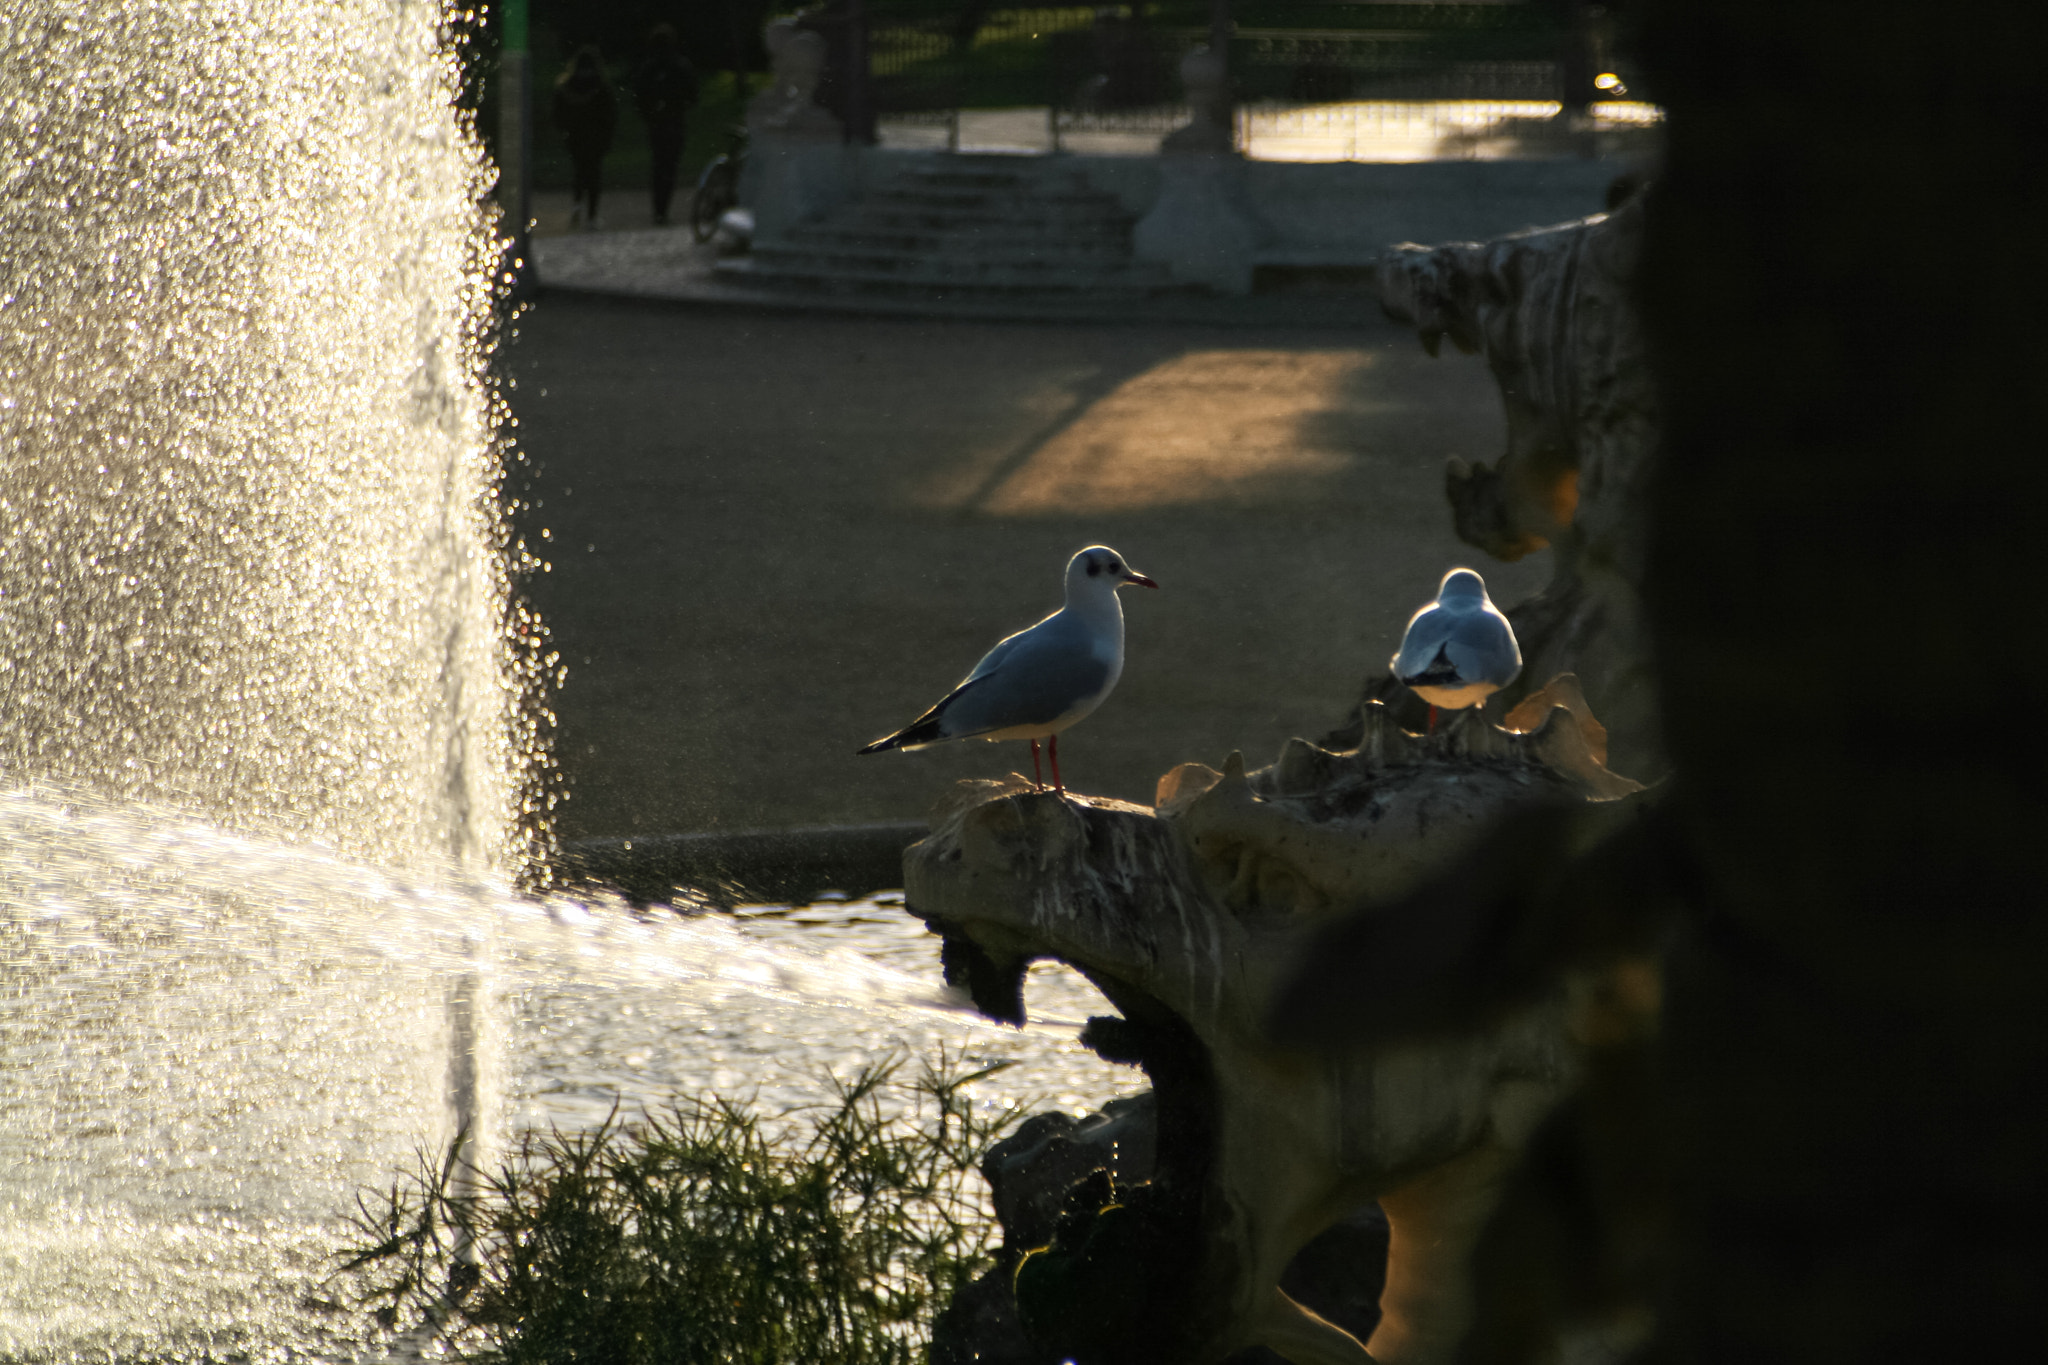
(993, 660)
(950, 717)
(1483, 649)
(1043, 676)
(1428, 630)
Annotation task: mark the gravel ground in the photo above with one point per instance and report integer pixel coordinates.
(776, 536)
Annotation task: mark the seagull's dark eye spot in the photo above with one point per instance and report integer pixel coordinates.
(1115, 567)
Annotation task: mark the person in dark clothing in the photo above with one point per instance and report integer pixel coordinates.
(586, 113)
(664, 91)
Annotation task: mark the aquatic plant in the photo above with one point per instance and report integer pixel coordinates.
(705, 1232)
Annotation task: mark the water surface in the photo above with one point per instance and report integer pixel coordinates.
(211, 1043)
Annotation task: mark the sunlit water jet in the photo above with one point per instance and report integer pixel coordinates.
(249, 548)
(269, 765)
(211, 1043)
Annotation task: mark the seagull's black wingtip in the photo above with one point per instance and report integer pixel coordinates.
(925, 731)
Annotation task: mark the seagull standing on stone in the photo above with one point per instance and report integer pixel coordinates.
(1038, 682)
(1459, 650)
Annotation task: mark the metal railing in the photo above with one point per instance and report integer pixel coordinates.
(1105, 71)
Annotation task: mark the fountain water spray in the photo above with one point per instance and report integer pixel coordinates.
(269, 768)
(249, 545)
(252, 570)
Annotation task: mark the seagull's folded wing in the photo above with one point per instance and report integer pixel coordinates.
(1030, 687)
(1426, 635)
(1029, 638)
(1484, 651)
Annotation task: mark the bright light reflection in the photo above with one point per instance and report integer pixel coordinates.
(1419, 130)
(1205, 427)
(211, 1042)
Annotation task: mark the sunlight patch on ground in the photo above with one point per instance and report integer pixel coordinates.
(1205, 427)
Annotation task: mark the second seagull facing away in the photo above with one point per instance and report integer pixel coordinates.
(1459, 650)
(1038, 682)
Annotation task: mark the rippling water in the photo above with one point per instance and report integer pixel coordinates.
(211, 1042)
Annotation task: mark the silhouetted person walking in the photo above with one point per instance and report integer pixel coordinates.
(586, 112)
(664, 91)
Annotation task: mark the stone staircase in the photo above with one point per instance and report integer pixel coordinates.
(960, 227)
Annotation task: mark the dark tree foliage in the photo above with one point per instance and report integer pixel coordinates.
(715, 34)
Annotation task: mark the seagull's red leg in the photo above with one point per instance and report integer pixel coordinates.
(1432, 717)
(1053, 745)
(1037, 772)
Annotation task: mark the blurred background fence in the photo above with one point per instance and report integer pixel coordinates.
(1114, 69)
(916, 72)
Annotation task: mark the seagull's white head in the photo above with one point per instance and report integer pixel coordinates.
(1462, 590)
(1101, 569)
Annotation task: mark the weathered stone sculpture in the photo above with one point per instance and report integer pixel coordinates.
(1187, 917)
(788, 106)
(1205, 81)
(1032, 1175)
(1846, 1071)
(1552, 311)
(1627, 1212)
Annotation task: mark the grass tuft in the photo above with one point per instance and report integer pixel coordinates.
(828, 1236)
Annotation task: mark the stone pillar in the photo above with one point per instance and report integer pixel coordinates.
(798, 164)
(1202, 228)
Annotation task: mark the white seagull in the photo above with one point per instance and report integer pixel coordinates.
(1459, 650)
(1038, 682)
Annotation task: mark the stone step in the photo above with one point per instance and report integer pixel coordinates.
(994, 240)
(887, 218)
(977, 182)
(917, 280)
(882, 265)
(987, 201)
(960, 226)
(966, 179)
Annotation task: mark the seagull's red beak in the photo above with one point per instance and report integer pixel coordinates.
(1133, 576)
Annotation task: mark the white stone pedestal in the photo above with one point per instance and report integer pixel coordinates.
(790, 178)
(1200, 228)
(798, 163)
